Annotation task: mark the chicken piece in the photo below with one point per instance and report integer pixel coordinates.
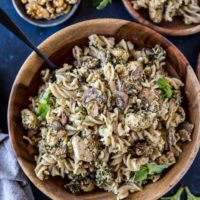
(29, 119)
(90, 62)
(84, 149)
(120, 54)
(156, 9)
(139, 120)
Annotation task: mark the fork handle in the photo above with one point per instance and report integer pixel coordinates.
(6, 21)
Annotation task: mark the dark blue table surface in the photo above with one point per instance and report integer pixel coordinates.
(13, 53)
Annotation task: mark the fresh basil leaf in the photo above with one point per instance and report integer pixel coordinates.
(43, 109)
(176, 196)
(44, 105)
(141, 175)
(101, 4)
(45, 98)
(190, 196)
(156, 169)
(165, 87)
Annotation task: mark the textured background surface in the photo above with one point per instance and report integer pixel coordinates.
(13, 53)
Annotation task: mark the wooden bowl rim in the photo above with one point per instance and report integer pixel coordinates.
(198, 68)
(56, 36)
(168, 31)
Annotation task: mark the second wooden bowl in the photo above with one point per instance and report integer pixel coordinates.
(58, 47)
(175, 28)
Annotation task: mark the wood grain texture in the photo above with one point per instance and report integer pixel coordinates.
(58, 47)
(175, 28)
(198, 68)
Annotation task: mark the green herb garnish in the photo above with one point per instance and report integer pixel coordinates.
(156, 169)
(141, 175)
(44, 105)
(101, 4)
(148, 169)
(165, 87)
(176, 196)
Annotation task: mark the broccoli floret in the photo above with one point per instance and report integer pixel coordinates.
(74, 186)
(29, 119)
(104, 175)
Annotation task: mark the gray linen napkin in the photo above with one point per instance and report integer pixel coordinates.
(13, 183)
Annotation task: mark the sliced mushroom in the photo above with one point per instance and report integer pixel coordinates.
(90, 94)
(131, 88)
(56, 125)
(32, 132)
(149, 95)
(187, 126)
(140, 148)
(144, 103)
(171, 136)
(64, 119)
(135, 74)
(137, 71)
(185, 131)
(121, 100)
(102, 99)
(94, 94)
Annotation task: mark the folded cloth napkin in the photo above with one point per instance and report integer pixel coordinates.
(13, 183)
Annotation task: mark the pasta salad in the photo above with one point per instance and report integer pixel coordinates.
(112, 120)
(160, 10)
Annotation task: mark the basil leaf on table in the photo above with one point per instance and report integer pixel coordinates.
(176, 196)
(190, 196)
(101, 4)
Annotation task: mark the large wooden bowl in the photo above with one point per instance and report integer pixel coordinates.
(58, 47)
(175, 28)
